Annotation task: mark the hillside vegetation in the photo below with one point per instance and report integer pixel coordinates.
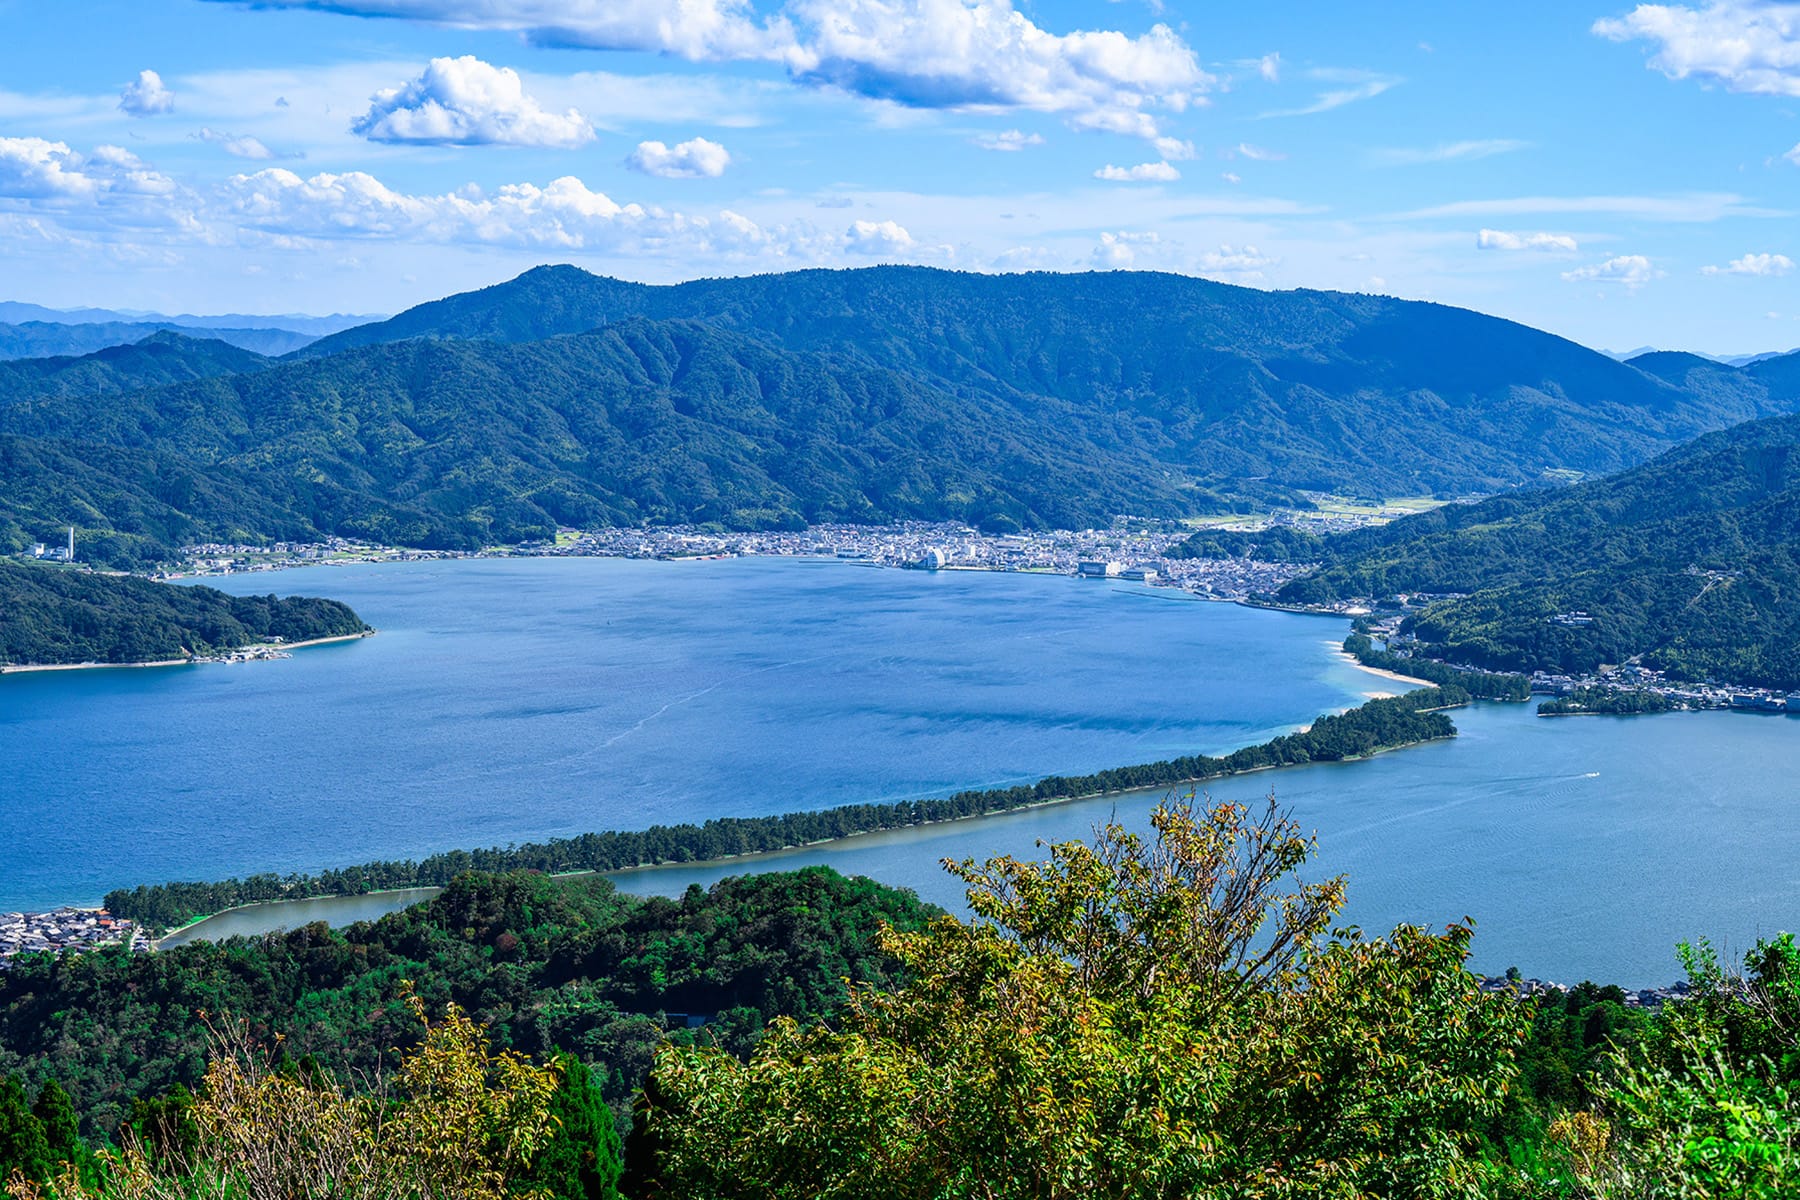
(1691, 561)
(1174, 1013)
(874, 395)
(162, 358)
(52, 616)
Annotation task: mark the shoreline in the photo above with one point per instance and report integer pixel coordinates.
(1192, 784)
(34, 668)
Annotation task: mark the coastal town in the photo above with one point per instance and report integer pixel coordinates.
(64, 931)
(1131, 551)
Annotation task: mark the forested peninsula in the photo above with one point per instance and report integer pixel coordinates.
(56, 616)
(1382, 724)
(1687, 564)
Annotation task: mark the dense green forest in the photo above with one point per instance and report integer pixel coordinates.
(1171, 1013)
(1376, 725)
(1689, 561)
(890, 393)
(161, 358)
(1482, 685)
(52, 615)
(548, 964)
(1606, 702)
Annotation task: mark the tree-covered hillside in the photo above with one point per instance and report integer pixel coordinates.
(551, 964)
(868, 396)
(161, 358)
(1311, 389)
(1692, 560)
(51, 615)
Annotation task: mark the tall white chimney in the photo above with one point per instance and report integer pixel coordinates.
(71, 543)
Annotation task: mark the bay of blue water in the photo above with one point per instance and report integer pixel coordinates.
(509, 700)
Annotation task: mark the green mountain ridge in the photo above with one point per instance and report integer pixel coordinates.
(164, 357)
(1691, 561)
(872, 395)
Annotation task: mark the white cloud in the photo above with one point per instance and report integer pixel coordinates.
(1446, 152)
(1697, 206)
(1232, 177)
(1243, 264)
(1753, 264)
(238, 145)
(1011, 140)
(1174, 149)
(877, 238)
(467, 102)
(1269, 67)
(695, 159)
(1632, 270)
(35, 169)
(701, 30)
(1496, 239)
(1793, 155)
(1352, 86)
(1258, 153)
(937, 54)
(1151, 172)
(563, 215)
(1747, 45)
(146, 96)
(1119, 250)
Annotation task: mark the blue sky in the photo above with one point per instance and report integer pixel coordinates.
(1621, 175)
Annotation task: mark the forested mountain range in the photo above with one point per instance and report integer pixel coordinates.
(54, 615)
(1691, 560)
(160, 358)
(1036, 400)
(46, 339)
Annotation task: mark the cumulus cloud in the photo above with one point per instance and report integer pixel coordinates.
(1174, 149)
(1754, 264)
(238, 145)
(957, 54)
(1269, 67)
(1151, 172)
(1010, 141)
(877, 238)
(1632, 270)
(35, 169)
(1747, 45)
(695, 159)
(1117, 251)
(1496, 239)
(467, 102)
(1447, 152)
(1241, 263)
(563, 215)
(146, 96)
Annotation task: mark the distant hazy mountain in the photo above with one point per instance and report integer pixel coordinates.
(40, 339)
(13, 312)
(870, 395)
(159, 359)
(1691, 560)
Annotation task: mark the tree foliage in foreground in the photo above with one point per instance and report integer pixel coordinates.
(1131, 1018)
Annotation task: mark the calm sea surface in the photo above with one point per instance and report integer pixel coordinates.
(510, 700)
